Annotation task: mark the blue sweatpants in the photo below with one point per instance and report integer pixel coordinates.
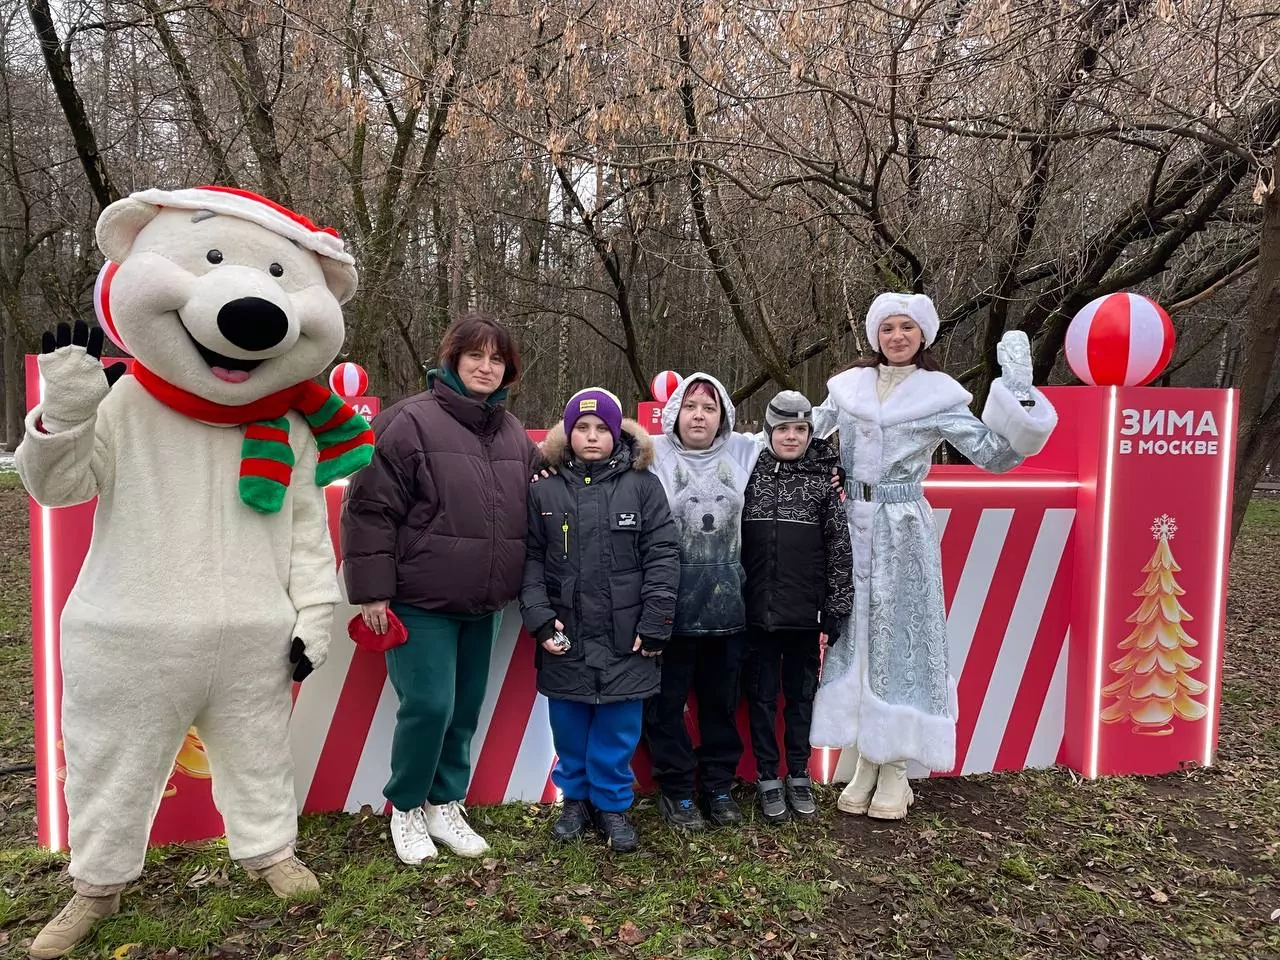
(594, 746)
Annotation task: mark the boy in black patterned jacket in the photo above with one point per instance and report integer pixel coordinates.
(799, 566)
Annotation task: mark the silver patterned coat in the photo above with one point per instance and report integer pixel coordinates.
(886, 687)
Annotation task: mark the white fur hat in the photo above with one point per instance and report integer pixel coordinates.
(232, 202)
(914, 305)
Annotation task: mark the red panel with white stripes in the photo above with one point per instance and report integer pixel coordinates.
(1007, 567)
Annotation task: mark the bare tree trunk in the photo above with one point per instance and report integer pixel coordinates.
(607, 254)
(191, 92)
(1260, 421)
(1228, 359)
(58, 62)
(766, 353)
(257, 104)
(562, 359)
(13, 405)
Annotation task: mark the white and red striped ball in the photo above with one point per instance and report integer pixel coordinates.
(664, 385)
(349, 380)
(1120, 340)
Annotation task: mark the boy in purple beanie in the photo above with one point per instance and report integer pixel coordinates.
(601, 571)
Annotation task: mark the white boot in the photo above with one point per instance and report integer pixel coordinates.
(447, 823)
(856, 797)
(893, 793)
(409, 834)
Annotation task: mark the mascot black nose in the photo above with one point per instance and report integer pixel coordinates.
(252, 323)
(708, 522)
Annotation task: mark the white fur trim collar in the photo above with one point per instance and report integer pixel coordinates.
(920, 395)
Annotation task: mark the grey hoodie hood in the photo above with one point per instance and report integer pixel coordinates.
(671, 413)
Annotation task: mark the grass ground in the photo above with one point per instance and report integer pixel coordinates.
(1037, 864)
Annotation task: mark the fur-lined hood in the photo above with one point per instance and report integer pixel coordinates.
(556, 450)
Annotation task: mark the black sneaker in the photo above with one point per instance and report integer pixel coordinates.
(681, 814)
(573, 820)
(773, 801)
(723, 810)
(616, 829)
(800, 796)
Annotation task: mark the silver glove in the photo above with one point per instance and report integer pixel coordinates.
(1014, 355)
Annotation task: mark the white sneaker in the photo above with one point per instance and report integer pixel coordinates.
(447, 824)
(409, 834)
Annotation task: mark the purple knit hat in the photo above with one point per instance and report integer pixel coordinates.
(598, 401)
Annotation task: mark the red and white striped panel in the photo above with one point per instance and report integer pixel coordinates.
(1007, 577)
(343, 725)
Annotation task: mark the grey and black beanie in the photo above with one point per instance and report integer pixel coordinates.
(789, 406)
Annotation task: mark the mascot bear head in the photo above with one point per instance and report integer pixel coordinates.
(230, 305)
(220, 292)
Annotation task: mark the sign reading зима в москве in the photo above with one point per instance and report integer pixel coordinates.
(1162, 432)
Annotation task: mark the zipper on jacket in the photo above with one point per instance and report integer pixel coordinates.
(564, 528)
(773, 548)
(486, 442)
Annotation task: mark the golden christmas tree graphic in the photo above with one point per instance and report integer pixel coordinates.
(1155, 683)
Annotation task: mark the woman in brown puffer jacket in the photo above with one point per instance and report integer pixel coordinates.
(434, 528)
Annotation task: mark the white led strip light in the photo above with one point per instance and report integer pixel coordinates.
(49, 666)
(1104, 557)
(1001, 484)
(1219, 575)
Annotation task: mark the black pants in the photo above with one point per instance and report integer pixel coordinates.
(712, 668)
(786, 658)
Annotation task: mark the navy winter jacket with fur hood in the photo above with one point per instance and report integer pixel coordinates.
(601, 558)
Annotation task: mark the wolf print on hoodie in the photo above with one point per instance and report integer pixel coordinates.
(708, 512)
(705, 489)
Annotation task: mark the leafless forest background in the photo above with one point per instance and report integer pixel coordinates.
(682, 183)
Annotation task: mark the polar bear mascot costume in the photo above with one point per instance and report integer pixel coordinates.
(210, 581)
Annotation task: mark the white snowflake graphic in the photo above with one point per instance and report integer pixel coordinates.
(1164, 527)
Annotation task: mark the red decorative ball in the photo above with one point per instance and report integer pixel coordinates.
(1120, 340)
(664, 385)
(349, 380)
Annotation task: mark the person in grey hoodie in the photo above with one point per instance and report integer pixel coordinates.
(704, 467)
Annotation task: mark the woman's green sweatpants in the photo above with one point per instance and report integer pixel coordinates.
(440, 675)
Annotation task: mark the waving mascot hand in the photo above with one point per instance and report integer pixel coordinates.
(210, 581)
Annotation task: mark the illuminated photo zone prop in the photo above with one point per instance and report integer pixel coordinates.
(1085, 598)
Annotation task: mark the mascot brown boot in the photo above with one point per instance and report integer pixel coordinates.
(287, 878)
(72, 925)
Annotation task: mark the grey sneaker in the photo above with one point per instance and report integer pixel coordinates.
(800, 797)
(773, 803)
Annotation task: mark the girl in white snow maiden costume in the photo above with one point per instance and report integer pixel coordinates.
(210, 580)
(886, 688)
